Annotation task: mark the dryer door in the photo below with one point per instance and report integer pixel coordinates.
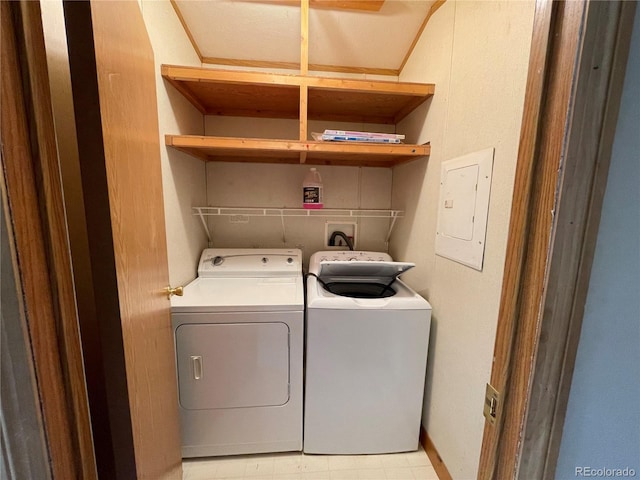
(231, 365)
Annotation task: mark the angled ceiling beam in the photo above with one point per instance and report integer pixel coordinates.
(186, 29)
(436, 5)
(364, 5)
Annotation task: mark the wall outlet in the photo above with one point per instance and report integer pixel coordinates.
(348, 228)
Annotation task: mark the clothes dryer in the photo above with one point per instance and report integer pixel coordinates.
(239, 352)
(367, 338)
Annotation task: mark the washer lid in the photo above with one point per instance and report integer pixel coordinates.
(365, 271)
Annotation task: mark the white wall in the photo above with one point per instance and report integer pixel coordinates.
(602, 425)
(477, 55)
(237, 184)
(184, 179)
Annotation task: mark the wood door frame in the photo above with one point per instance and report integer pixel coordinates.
(37, 228)
(576, 73)
(537, 246)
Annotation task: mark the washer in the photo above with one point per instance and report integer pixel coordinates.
(239, 351)
(366, 355)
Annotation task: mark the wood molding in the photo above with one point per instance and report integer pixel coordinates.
(186, 29)
(304, 37)
(539, 225)
(304, 70)
(314, 67)
(434, 456)
(236, 62)
(518, 228)
(436, 5)
(592, 225)
(31, 182)
(390, 72)
(362, 5)
(57, 237)
(587, 156)
(304, 107)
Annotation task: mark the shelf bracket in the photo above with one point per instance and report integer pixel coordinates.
(284, 236)
(394, 216)
(204, 223)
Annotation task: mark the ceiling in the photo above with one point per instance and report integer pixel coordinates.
(267, 33)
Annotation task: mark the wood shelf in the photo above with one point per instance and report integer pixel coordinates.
(302, 97)
(254, 94)
(261, 150)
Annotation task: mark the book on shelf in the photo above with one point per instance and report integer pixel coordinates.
(350, 133)
(334, 137)
(324, 137)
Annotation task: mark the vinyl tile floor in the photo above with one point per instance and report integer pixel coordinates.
(298, 466)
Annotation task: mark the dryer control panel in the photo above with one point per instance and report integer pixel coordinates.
(249, 262)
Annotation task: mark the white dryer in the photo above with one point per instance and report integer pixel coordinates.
(239, 352)
(367, 338)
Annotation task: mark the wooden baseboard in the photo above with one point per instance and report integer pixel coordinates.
(434, 456)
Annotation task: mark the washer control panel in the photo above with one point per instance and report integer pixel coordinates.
(351, 256)
(356, 265)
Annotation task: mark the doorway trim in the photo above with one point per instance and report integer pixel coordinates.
(576, 71)
(38, 235)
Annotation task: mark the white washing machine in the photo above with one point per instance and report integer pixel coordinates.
(239, 352)
(367, 338)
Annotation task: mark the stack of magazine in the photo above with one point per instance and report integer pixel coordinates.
(350, 136)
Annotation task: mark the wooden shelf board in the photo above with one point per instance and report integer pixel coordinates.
(358, 106)
(228, 92)
(288, 151)
(246, 100)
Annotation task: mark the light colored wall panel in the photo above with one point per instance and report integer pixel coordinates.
(477, 55)
(183, 176)
(269, 185)
(279, 128)
(222, 126)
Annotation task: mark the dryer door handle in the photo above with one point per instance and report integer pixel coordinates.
(196, 363)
